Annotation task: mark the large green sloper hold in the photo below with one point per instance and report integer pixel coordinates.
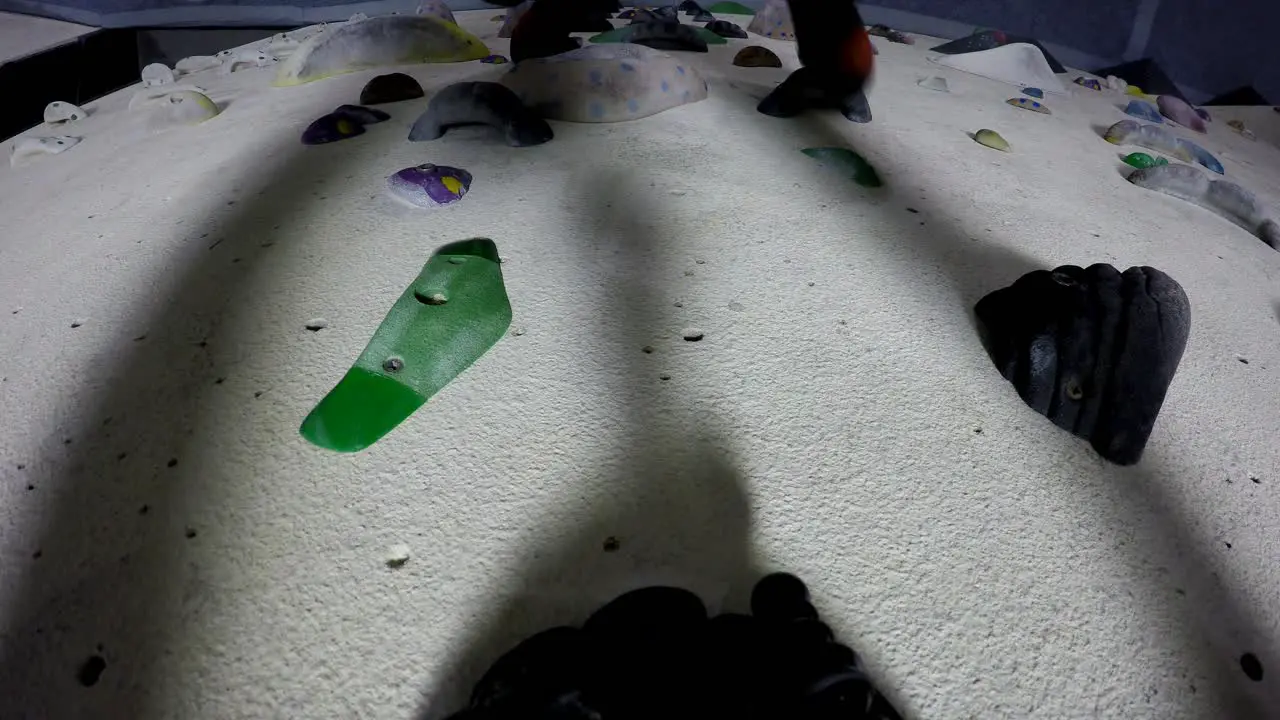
(454, 311)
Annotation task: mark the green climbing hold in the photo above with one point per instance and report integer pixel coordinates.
(1143, 160)
(991, 139)
(625, 33)
(730, 8)
(454, 311)
(847, 163)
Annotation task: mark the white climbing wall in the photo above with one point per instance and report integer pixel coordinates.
(170, 546)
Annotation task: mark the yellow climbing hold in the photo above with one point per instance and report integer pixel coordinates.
(345, 127)
(452, 184)
(1134, 90)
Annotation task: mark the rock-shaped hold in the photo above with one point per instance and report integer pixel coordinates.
(61, 113)
(430, 185)
(1090, 83)
(934, 82)
(890, 34)
(1091, 349)
(1019, 64)
(494, 60)
(1220, 196)
(1155, 137)
(847, 163)
(377, 42)
(1178, 111)
(605, 83)
(393, 87)
(726, 29)
(703, 17)
(662, 35)
(436, 9)
(991, 139)
(183, 107)
(773, 21)
(689, 7)
(983, 40)
(481, 103)
(1034, 92)
(1143, 160)
(26, 148)
(156, 74)
(810, 89)
(627, 14)
(1029, 104)
(757, 56)
(331, 128)
(731, 8)
(1143, 111)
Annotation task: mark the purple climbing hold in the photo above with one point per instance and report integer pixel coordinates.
(359, 114)
(430, 185)
(494, 60)
(1090, 83)
(331, 128)
(1204, 114)
(1180, 112)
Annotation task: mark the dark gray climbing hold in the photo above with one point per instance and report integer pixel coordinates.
(1092, 349)
(481, 103)
(665, 35)
(362, 115)
(703, 17)
(390, 88)
(689, 7)
(724, 28)
(807, 89)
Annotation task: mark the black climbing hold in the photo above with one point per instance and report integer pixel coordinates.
(1092, 349)
(689, 7)
(543, 677)
(390, 88)
(724, 28)
(703, 17)
(91, 670)
(807, 89)
(666, 35)
(481, 103)
(781, 596)
(1252, 666)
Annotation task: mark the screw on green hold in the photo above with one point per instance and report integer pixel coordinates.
(846, 162)
(1142, 160)
(730, 8)
(454, 311)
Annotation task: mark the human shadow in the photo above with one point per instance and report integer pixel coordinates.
(108, 592)
(674, 510)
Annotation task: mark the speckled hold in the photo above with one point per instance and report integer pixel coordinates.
(1090, 83)
(1178, 111)
(430, 185)
(773, 21)
(1143, 160)
(393, 87)
(605, 83)
(331, 128)
(757, 56)
(481, 103)
(991, 139)
(1144, 111)
(1029, 104)
(724, 28)
(494, 60)
(1034, 92)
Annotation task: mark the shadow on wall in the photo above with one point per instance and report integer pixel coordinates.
(675, 512)
(109, 596)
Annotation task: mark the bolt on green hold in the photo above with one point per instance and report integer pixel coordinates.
(1142, 160)
(991, 139)
(452, 313)
(847, 163)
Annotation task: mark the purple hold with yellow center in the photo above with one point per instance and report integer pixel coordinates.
(331, 128)
(430, 185)
(494, 60)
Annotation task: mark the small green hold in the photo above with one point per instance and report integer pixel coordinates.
(452, 313)
(1142, 160)
(846, 162)
(730, 8)
(991, 139)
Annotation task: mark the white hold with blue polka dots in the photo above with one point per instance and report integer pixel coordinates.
(605, 83)
(774, 21)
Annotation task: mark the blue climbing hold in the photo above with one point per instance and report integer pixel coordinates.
(1143, 111)
(1033, 92)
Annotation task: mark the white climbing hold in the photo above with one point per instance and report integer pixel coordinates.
(1116, 83)
(61, 113)
(146, 96)
(156, 74)
(1020, 64)
(397, 555)
(197, 63)
(256, 58)
(436, 8)
(934, 82)
(377, 42)
(28, 147)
